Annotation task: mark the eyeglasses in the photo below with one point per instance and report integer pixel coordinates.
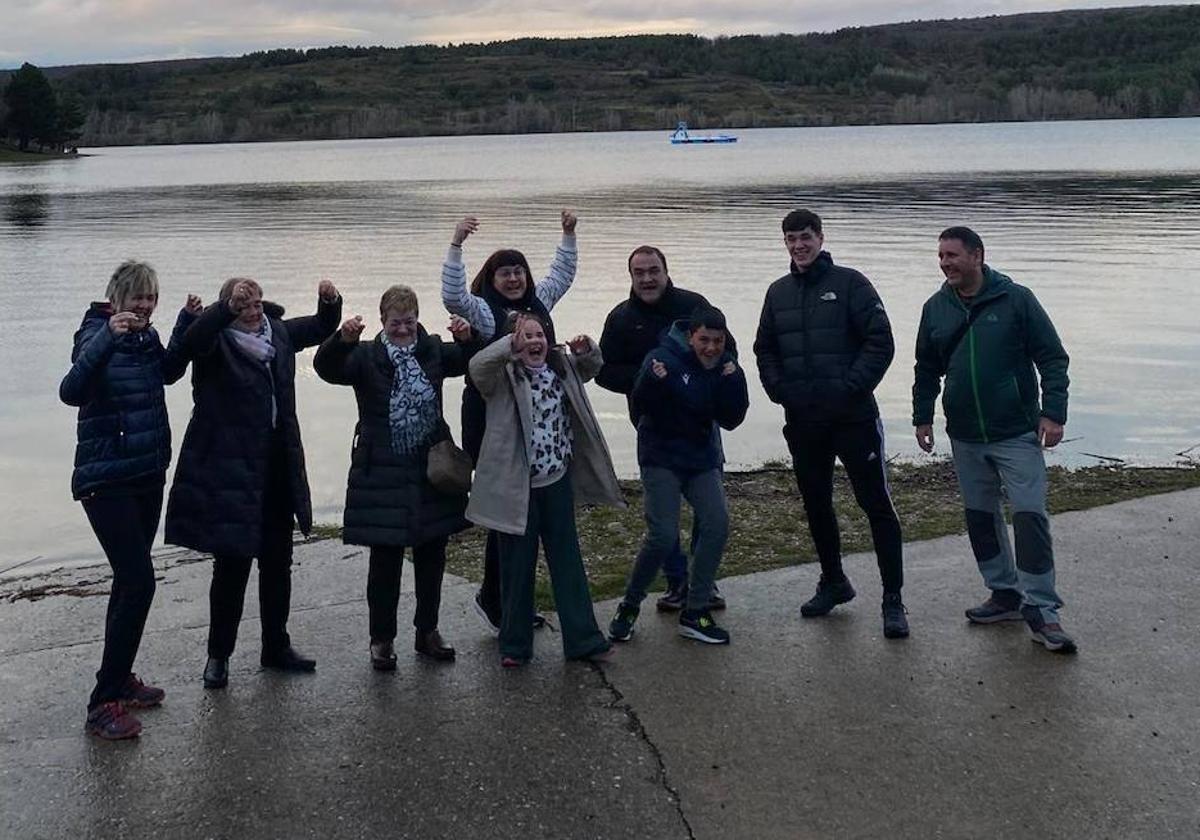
(510, 272)
(647, 272)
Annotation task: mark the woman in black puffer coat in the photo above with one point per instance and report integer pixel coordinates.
(240, 484)
(118, 370)
(390, 503)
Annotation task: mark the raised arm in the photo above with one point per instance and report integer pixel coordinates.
(94, 343)
(588, 359)
(175, 359)
(487, 366)
(337, 361)
(311, 330)
(555, 284)
(455, 295)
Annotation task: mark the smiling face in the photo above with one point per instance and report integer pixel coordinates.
(533, 353)
(141, 303)
(708, 345)
(649, 277)
(510, 281)
(804, 246)
(962, 266)
(251, 317)
(400, 327)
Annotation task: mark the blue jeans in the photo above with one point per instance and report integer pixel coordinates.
(1016, 468)
(664, 489)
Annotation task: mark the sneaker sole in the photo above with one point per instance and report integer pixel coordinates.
(487, 621)
(903, 634)
(689, 633)
(814, 614)
(138, 704)
(1053, 647)
(1012, 615)
(671, 608)
(624, 638)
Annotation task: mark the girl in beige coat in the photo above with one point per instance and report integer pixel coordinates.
(543, 452)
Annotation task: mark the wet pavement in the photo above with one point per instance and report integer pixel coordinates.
(801, 728)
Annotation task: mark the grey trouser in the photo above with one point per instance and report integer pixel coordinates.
(1017, 466)
(664, 489)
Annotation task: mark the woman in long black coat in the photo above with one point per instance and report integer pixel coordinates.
(240, 484)
(118, 370)
(390, 503)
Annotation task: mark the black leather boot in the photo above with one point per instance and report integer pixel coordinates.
(432, 644)
(287, 659)
(216, 672)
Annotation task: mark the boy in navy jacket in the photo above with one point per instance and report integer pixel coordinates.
(688, 389)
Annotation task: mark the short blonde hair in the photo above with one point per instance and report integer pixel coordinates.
(131, 278)
(227, 287)
(401, 298)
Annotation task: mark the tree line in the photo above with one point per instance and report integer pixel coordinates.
(1139, 62)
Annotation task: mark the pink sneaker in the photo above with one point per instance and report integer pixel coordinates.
(137, 695)
(112, 722)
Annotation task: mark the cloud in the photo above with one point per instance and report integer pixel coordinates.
(49, 32)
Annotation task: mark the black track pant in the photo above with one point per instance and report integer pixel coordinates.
(859, 446)
(125, 526)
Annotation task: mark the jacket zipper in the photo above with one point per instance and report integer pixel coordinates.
(975, 385)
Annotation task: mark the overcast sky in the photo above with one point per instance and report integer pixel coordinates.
(52, 32)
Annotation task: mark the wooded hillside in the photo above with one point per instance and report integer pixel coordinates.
(1137, 62)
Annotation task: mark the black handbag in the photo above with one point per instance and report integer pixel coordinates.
(449, 468)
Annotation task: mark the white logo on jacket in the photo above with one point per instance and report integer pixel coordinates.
(687, 377)
(829, 296)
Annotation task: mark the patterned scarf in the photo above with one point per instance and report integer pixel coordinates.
(413, 412)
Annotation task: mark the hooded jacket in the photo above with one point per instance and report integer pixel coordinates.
(991, 389)
(680, 416)
(824, 343)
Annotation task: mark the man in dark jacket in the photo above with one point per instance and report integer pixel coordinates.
(985, 334)
(824, 343)
(633, 328)
(688, 389)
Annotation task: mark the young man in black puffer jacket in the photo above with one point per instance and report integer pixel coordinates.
(824, 343)
(688, 389)
(632, 329)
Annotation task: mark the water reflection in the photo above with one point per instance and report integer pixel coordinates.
(26, 209)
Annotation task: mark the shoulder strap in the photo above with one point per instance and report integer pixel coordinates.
(956, 338)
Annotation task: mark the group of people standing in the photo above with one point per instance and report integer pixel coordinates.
(536, 449)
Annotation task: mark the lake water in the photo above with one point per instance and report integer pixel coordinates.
(1101, 219)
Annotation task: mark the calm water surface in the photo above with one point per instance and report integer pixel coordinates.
(1101, 219)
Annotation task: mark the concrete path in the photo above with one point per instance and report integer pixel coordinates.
(801, 728)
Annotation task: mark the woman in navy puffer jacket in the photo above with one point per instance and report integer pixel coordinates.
(118, 370)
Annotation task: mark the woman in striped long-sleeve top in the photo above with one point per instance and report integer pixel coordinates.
(502, 285)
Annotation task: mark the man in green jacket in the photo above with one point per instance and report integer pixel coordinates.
(986, 335)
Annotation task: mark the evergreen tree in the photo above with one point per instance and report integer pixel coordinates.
(32, 107)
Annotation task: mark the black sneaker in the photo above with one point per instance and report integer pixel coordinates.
(620, 629)
(993, 611)
(699, 625)
(828, 596)
(675, 597)
(1050, 636)
(895, 624)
